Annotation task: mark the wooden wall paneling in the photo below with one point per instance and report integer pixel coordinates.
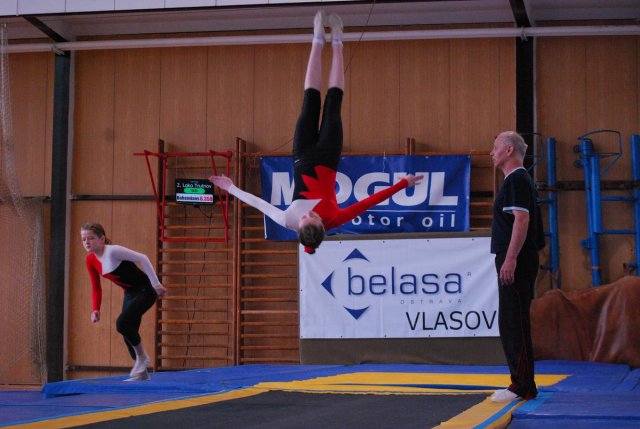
(561, 113)
(612, 88)
(424, 93)
(375, 99)
(279, 88)
(475, 93)
(133, 226)
(230, 92)
(183, 99)
(92, 171)
(561, 97)
(506, 85)
(31, 82)
(88, 344)
(611, 95)
(136, 118)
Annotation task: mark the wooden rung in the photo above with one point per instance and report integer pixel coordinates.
(195, 298)
(180, 357)
(206, 332)
(283, 300)
(203, 239)
(181, 215)
(194, 322)
(269, 311)
(190, 227)
(188, 274)
(195, 250)
(192, 310)
(270, 264)
(253, 228)
(198, 262)
(270, 252)
(200, 345)
(197, 285)
(253, 240)
(270, 336)
(221, 168)
(242, 323)
(481, 204)
(481, 216)
(268, 348)
(269, 276)
(269, 288)
(270, 359)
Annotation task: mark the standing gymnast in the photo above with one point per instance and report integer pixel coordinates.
(317, 152)
(141, 289)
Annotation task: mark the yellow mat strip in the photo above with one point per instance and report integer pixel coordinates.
(481, 413)
(403, 383)
(121, 413)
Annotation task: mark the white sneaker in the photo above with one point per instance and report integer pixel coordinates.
(143, 376)
(140, 366)
(504, 395)
(335, 22)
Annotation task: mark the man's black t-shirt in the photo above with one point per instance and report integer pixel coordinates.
(518, 192)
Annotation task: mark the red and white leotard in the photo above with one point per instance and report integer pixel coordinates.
(118, 264)
(321, 198)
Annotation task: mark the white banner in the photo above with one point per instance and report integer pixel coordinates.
(401, 288)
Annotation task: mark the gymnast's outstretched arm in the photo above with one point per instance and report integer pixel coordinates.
(226, 184)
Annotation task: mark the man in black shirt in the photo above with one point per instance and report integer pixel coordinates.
(516, 237)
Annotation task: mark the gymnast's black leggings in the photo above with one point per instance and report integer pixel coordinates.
(134, 305)
(317, 146)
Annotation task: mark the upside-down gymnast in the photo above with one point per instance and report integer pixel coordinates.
(141, 289)
(317, 152)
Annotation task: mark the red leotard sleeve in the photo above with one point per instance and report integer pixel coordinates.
(94, 274)
(348, 213)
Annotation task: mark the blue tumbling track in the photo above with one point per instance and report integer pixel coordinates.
(593, 395)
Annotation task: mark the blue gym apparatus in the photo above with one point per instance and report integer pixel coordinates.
(590, 161)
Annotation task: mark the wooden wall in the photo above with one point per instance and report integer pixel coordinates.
(586, 84)
(450, 95)
(31, 78)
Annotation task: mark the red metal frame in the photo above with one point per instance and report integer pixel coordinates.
(161, 200)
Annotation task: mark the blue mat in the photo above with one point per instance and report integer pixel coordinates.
(594, 395)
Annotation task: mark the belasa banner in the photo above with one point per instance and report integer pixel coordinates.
(439, 203)
(400, 288)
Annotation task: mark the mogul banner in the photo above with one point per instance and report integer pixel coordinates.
(401, 288)
(439, 203)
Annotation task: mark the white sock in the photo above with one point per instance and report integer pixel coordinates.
(318, 28)
(335, 22)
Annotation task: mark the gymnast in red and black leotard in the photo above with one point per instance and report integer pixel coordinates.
(317, 152)
(141, 289)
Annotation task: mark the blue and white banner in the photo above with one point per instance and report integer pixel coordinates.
(413, 288)
(439, 203)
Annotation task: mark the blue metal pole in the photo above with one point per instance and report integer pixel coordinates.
(596, 211)
(591, 241)
(635, 168)
(553, 210)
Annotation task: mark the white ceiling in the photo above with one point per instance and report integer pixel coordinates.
(299, 15)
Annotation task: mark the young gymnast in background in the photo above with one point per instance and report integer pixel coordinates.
(141, 289)
(316, 152)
